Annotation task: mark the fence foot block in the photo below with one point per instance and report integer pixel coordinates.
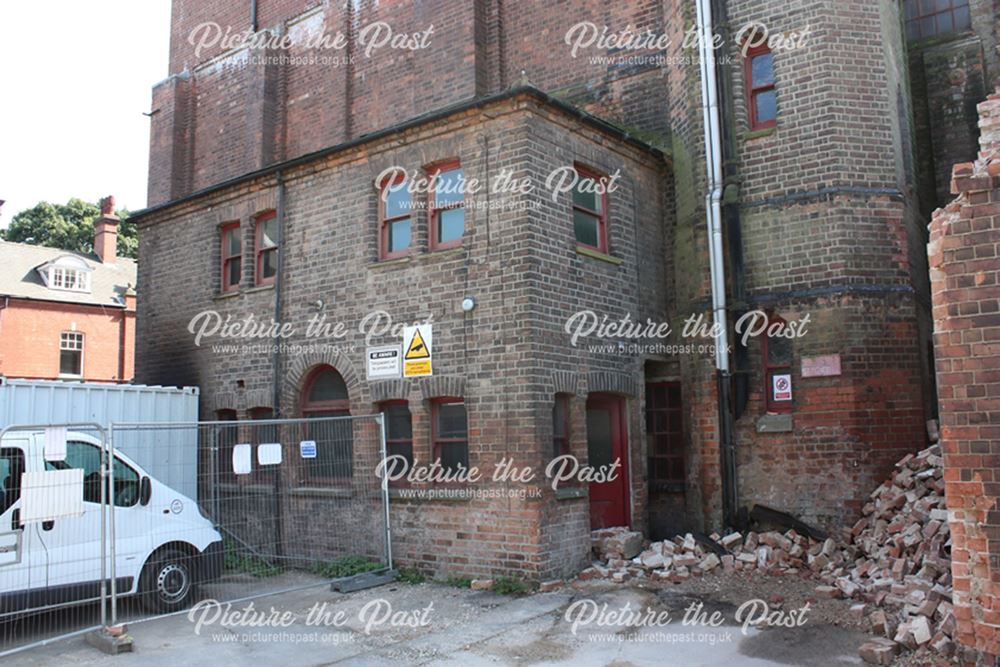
(360, 582)
(109, 643)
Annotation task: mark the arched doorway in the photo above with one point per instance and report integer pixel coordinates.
(324, 395)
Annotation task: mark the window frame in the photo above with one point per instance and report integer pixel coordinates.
(224, 449)
(917, 20)
(80, 350)
(389, 441)
(384, 222)
(433, 209)
(585, 172)
(225, 258)
(259, 251)
(670, 483)
(770, 405)
(562, 445)
(436, 441)
(752, 90)
(307, 408)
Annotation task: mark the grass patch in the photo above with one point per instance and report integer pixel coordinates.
(457, 582)
(345, 566)
(410, 575)
(511, 586)
(237, 559)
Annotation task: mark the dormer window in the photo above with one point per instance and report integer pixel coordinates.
(70, 279)
(67, 273)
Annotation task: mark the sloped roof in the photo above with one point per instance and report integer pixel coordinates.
(19, 276)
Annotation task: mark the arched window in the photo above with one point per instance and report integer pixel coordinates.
(325, 399)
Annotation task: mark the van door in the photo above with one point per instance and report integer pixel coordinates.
(22, 561)
(73, 545)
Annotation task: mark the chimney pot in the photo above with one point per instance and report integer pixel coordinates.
(106, 232)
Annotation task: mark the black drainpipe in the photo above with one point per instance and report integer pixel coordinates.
(733, 390)
(279, 216)
(253, 15)
(280, 221)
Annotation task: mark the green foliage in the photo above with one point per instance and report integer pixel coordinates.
(237, 560)
(511, 586)
(68, 226)
(410, 575)
(458, 582)
(345, 566)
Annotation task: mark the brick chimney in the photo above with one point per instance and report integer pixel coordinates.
(106, 232)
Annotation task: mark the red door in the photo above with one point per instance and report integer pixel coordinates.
(609, 501)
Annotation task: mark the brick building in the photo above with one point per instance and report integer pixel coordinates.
(259, 152)
(68, 315)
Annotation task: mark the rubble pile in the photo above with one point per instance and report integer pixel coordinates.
(902, 566)
(893, 562)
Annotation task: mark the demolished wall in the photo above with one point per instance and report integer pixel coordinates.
(965, 278)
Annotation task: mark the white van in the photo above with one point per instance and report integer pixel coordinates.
(165, 545)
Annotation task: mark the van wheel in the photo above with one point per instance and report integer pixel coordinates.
(167, 582)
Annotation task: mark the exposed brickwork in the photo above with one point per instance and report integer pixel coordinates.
(29, 339)
(827, 203)
(950, 74)
(509, 356)
(965, 276)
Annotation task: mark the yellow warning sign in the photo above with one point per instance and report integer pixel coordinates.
(418, 348)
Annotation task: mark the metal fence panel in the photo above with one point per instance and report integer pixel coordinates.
(274, 505)
(54, 532)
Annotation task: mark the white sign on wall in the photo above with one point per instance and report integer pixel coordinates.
(384, 363)
(781, 387)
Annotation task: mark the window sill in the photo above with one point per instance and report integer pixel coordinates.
(597, 254)
(759, 134)
(64, 376)
(391, 263)
(327, 492)
(445, 251)
(571, 493)
(232, 294)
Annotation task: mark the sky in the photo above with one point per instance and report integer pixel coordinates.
(75, 79)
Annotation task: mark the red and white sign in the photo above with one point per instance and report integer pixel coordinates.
(781, 387)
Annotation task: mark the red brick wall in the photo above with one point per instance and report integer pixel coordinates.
(29, 339)
(965, 277)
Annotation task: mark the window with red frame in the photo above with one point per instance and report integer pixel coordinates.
(762, 99)
(560, 426)
(928, 18)
(226, 438)
(395, 219)
(232, 256)
(264, 434)
(590, 209)
(777, 362)
(450, 433)
(398, 433)
(266, 249)
(325, 395)
(447, 205)
(665, 436)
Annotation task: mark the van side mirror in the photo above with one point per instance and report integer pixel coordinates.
(145, 491)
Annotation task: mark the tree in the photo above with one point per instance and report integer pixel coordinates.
(69, 226)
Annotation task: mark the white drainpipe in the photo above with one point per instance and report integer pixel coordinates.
(713, 199)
